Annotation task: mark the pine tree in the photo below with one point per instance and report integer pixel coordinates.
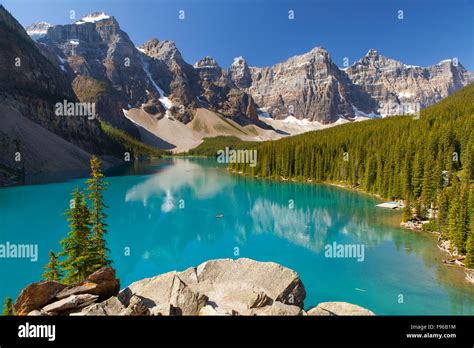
(407, 211)
(417, 176)
(7, 307)
(76, 244)
(443, 209)
(95, 188)
(428, 184)
(52, 271)
(469, 261)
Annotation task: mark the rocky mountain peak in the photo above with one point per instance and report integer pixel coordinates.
(93, 17)
(38, 29)
(239, 73)
(372, 53)
(397, 86)
(319, 50)
(165, 50)
(206, 62)
(239, 61)
(208, 69)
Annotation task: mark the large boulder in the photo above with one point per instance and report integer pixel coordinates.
(36, 295)
(101, 283)
(217, 287)
(218, 278)
(166, 294)
(112, 306)
(277, 308)
(339, 308)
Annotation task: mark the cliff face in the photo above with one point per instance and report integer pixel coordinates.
(309, 86)
(312, 87)
(205, 84)
(97, 49)
(239, 73)
(392, 83)
(30, 86)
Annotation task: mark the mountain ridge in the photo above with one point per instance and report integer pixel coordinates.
(306, 86)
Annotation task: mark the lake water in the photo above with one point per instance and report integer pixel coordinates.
(164, 213)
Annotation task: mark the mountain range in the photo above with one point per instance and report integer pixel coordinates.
(154, 95)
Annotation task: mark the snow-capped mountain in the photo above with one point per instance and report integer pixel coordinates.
(394, 84)
(311, 86)
(38, 29)
(155, 77)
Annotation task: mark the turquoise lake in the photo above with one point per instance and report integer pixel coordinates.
(164, 213)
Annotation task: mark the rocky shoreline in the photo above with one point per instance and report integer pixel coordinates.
(444, 245)
(216, 287)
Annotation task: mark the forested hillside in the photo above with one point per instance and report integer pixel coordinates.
(428, 162)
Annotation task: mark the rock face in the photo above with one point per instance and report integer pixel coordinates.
(53, 298)
(239, 73)
(106, 67)
(394, 84)
(208, 69)
(72, 302)
(205, 84)
(312, 87)
(38, 29)
(30, 86)
(177, 78)
(102, 283)
(220, 287)
(155, 77)
(36, 295)
(309, 86)
(338, 308)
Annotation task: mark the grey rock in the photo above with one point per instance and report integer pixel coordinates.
(339, 308)
(70, 303)
(309, 86)
(277, 308)
(112, 306)
(239, 73)
(397, 87)
(215, 278)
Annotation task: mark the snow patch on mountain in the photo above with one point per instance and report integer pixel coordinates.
(358, 112)
(294, 121)
(93, 17)
(166, 102)
(262, 112)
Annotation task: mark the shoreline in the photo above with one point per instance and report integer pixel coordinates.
(442, 243)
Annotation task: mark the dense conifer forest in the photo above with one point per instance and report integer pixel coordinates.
(427, 161)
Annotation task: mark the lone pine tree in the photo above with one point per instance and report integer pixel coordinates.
(84, 249)
(95, 188)
(52, 271)
(7, 307)
(76, 244)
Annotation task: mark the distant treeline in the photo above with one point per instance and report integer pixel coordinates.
(210, 146)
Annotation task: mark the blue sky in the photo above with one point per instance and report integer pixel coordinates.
(432, 30)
